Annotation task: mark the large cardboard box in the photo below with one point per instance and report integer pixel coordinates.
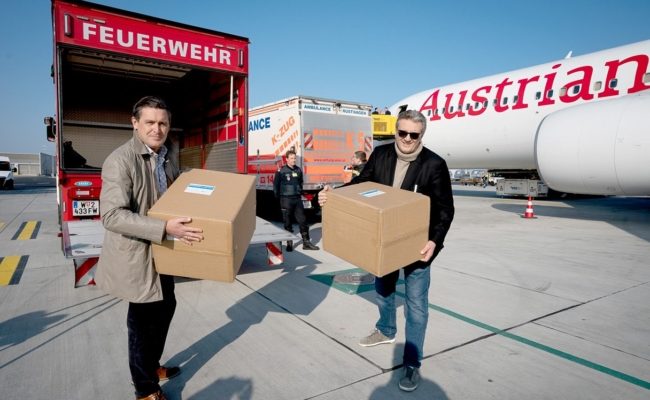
(223, 205)
(375, 227)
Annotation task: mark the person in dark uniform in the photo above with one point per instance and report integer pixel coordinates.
(287, 186)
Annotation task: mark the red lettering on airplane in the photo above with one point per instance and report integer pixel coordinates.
(583, 84)
(547, 100)
(522, 90)
(478, 99)
(431, 104)
(641, 68)
(449, 107)
(577, 89)
(498, 107)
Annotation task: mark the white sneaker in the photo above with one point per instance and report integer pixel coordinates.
(375, 338)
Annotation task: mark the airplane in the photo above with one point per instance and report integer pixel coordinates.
(580, 124)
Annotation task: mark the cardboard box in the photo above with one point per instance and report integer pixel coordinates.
(375, 227)
(223, 205)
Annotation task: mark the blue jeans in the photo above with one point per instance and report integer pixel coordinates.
(418, 279)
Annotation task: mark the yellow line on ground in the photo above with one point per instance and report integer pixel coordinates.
(2, 225)
(7, 268)
(27, 231)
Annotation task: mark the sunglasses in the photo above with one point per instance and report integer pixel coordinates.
(414, 135)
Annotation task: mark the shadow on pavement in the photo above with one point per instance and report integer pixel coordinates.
(249, 311)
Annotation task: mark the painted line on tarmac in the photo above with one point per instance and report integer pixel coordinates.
(2, 226)
(328, 279)
(27, 230)
(11, 269)
(562, 354)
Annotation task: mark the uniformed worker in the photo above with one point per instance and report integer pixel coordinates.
(287, 187)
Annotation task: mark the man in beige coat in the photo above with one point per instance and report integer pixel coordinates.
(134, 176)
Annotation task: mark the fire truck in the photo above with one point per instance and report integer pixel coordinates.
(324, 133)
(105, 59)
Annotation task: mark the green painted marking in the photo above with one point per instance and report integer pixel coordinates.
(328, 279)
(589, 364)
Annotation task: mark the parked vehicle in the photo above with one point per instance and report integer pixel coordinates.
(521, 187)
(324, 133)
(6, 173)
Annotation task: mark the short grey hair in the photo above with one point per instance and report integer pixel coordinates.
(415, 116)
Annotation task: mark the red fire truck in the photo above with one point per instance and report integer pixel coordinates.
(105, 59)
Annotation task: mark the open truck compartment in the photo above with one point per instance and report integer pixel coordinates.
(106, 59)
(98, 91)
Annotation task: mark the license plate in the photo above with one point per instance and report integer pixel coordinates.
(85, 207)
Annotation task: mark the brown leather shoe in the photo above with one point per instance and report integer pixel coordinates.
(153, 396)
(165, 373)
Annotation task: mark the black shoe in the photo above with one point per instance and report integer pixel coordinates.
(166, 373)
(307, 245)
(289, 245)
(153, 396)
(410, 380)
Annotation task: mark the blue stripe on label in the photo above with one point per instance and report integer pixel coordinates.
(204, 187)
(371, 193)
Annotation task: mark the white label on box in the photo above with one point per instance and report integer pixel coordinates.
(196, 188)
(372, 193)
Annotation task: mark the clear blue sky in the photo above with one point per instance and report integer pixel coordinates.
(375, 52)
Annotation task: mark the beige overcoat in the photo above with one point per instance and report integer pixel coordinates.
(125, 268)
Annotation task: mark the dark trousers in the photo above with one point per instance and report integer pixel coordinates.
(292, 206)
(148, 324)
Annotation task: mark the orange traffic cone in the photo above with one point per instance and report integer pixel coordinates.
(529, 213)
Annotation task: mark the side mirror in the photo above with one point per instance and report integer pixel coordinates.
(50, 128)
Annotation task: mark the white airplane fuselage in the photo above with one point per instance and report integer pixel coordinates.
(583, 123)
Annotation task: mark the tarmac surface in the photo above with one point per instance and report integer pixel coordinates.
(556, 307)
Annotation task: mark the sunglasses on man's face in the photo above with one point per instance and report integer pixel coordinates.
(414, 135)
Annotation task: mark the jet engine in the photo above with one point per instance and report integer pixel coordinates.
(597, 148)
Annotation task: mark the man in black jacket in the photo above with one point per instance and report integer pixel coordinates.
(409, 165)
(287, 186)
